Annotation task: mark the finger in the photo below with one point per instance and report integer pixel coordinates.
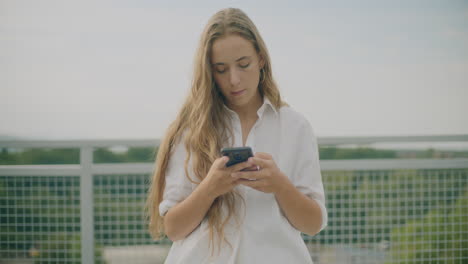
(250, 175)
(237, 182)
(252, 184)
(259, 162)
(251, 168)
(240, 166)
(263, 155)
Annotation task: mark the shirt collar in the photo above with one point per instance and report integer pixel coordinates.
(266, 103)
(261, 110)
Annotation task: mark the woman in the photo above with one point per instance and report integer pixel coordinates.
(219, 214)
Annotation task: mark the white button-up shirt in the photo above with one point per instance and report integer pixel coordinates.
(264, 234)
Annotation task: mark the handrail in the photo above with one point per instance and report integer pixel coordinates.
(141, 168)
(154, 142)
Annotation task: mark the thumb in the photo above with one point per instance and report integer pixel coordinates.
(222, 162)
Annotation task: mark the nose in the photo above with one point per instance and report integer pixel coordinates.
(234, 77)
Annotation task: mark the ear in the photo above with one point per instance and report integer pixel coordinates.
(261, 62)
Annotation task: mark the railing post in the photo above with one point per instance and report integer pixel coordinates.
(86, 205)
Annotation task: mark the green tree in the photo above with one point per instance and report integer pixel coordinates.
(40, 156)
(329, 153)
(440, 236)
(40, 219)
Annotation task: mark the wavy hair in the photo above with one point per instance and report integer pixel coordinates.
(201, 122)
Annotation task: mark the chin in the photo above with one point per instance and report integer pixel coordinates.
(241, 101)
(245, 99)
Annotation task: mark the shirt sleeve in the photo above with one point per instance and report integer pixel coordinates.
(307, 177)
(178, 186)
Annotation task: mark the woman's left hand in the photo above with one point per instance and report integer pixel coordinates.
(268, 179)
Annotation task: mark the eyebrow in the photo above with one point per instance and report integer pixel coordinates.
(239, 59)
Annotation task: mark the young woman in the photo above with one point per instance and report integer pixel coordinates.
(219, 214)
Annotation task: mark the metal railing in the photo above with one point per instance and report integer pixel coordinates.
(380, 211)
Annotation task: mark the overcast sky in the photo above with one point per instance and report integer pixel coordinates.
(121, 69)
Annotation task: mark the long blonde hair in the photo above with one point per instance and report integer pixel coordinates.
(203, 117)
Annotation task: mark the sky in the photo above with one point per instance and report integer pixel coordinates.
(122, 69)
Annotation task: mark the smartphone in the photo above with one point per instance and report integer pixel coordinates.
(238, 155)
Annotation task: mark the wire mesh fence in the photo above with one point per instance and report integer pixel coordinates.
(40, 219)
(120, 228)
(396, 215)
(388, 216)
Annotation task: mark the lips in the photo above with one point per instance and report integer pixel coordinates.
(237, 92)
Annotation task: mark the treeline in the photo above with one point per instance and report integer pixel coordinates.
(148, 154)
(72, 156)
(332, 153)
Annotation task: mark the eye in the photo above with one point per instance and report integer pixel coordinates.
(244, 65)
(220, 70)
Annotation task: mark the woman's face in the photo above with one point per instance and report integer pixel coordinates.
(236, 69)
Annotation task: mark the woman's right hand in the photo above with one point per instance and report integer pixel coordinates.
(219, 181)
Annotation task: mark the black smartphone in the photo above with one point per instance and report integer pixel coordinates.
(237, 155)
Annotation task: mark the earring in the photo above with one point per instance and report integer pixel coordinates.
(262, 75)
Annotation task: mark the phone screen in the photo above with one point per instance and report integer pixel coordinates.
(237, 155)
